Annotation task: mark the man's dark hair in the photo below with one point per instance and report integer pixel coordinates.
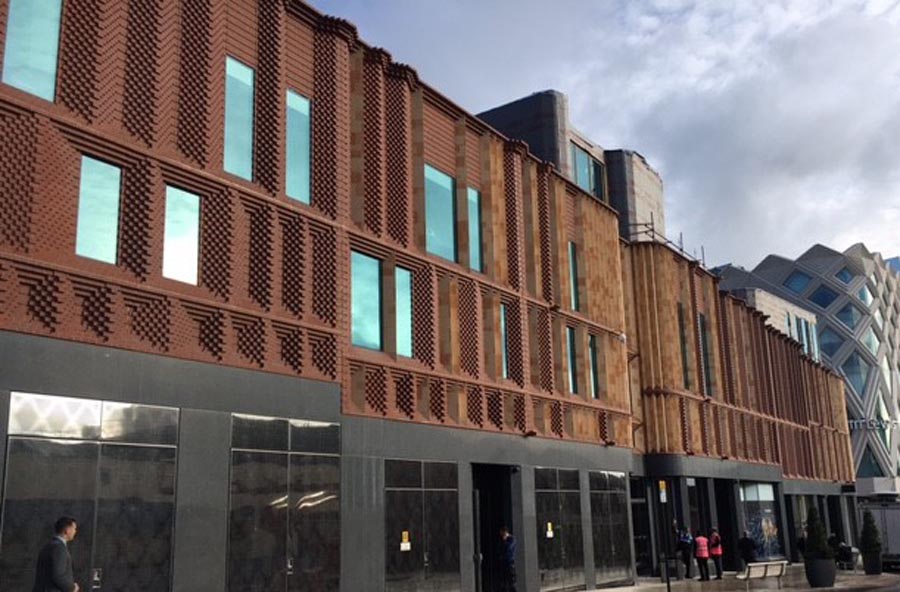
(63, 523)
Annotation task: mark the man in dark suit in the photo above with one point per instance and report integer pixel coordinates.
(54, 564)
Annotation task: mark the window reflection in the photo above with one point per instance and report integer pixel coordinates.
(474, 198)
(440, 214)
(403, 281)
(54, 417)
(98, 210)
(32, 46)
(297, 153)
(238, 119)
(365, 296)
(181, 247)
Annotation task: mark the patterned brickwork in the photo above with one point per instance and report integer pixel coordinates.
(397, 136)
(140, 97)
(424, 307)
(43, 296)
(79, 60)
(251, 338)
(514, 342)
(149, 318)
(470, 326)
(293, 252)
(194, 98)
(291, 348)
(217, 227)
(544, 230)
(96, 308)
(18, 136)
(374, 147)
(270, 95)
(134, 249)
(405, 394)
(475, 405)
(376, 390)
(512, 187)
(210, 329)
(437, 399)
(324, 260)
(323, 348)
(259, 283)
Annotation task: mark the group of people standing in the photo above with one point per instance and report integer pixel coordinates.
(702, 548)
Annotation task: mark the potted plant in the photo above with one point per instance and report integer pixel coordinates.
(818, 558)
(870, 545)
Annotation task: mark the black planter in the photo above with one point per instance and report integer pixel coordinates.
(820, 573)
(872, 564)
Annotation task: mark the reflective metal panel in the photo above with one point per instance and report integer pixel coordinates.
(54, 417)
(403, 473)
(258, 526)
(440, 475)
(441, 520)
(135, 516)
(139, 424)
(259, 433)
(45, 480)
(315, 436)
(404, 560)
(314, 532)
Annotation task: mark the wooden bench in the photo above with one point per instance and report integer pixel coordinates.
(762, 570)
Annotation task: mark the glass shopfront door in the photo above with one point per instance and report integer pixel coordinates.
(111, 466)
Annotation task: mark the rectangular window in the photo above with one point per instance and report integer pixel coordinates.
(365, 299)
(239, 91)
(297, 153)
(597, 181)
(181, 245)
(475, 230)
(587, 172)
(595, 368)
(704, 353)
(403, 285)
(97, 234)
(504, 350)
(570, 339)
(573, 276)
(32, 46)
(682, 336)
(440, 214)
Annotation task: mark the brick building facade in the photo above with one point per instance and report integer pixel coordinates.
(180, 299)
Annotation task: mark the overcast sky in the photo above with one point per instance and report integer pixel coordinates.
(775, 125)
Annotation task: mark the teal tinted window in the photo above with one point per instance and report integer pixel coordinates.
(573, 367)
(474, 203)
(239, 119)
(181, 247)
(403, 285)
(857, 371)
(823, 296)
(365, 297)
(879, 319)
(682, 337)
(849, 315)
(440, 214)
(705, 352)
(297, 153)
(871, 342)
(503, 343)
(868, 466)
(797, 282)
(573, 276)
(32, 46)
(865, 295)
(845, 275)
(829, 341)
(97, 234)
(583, 168)
(595, 370)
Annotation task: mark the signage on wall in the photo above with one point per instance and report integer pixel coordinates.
(405, 545)
(662, 492)
(873, 424)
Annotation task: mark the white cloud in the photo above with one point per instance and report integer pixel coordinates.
(775, 125)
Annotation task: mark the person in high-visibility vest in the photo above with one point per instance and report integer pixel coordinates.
(701, 554)
(715, 551)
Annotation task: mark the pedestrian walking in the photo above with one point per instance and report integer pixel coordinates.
(701, 554)
(507, 561)
(54, 565)
(747, 549)
(684, 546)
(715, 551)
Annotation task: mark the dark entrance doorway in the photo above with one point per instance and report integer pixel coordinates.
(729, 523)
(492, 509)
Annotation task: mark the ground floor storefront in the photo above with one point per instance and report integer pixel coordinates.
(194, 477)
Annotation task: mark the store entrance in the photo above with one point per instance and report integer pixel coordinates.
(492, 510)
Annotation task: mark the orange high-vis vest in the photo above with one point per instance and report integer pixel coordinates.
(702, 544)
(715, 546)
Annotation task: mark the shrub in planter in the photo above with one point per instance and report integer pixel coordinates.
(818, 556)
(870, 545)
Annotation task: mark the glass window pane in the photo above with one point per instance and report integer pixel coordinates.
(365, 295)
(403, 474)
(573, 367)
(595, 373)
(297, 154)
(315, 436)
(545, 479)
(829, 341)
(440, 214)
(403, 281)
(797, 282)
(823, 296)
(879, 319)
(32, 46)
(440, 475)
(503, 342)
(583, 167)
(314, 535)
(568, 479)
(181, 247)
(866, 295)
(849, 315)
(871, 341)
(238, 118)
(258, 432)
(139, 424)
(857, 371)
(845, 275)
(98, 210)
(573, 276)
(475, 230)
(54, 417)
